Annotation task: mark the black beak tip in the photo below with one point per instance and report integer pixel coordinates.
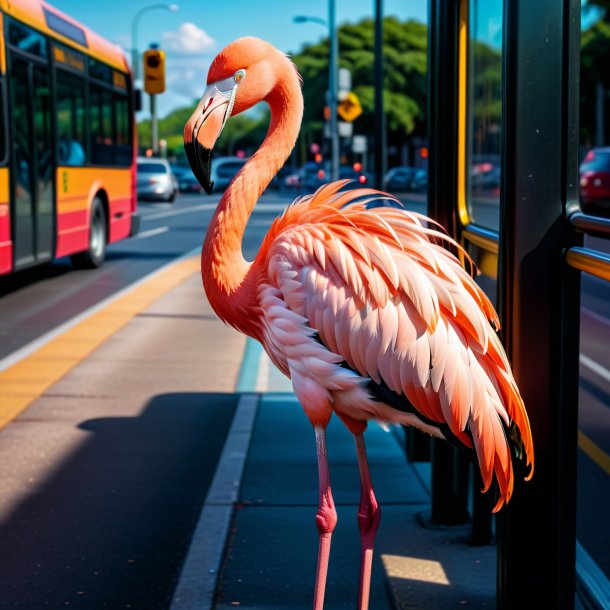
(200, 160)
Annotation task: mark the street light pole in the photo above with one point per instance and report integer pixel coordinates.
(333, 89)
(333, 94)
(380, 133)
(135, 22)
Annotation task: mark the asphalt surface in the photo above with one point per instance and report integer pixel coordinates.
(37, 301)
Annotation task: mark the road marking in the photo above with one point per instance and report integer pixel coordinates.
(261, 207)
(151, 233)
(597, 454)
(596, 367)
(593, 314)
(28, 372)
(197, 582)
(592, 579)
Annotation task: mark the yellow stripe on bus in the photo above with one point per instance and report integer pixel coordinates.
(597, 454)
(29, 378)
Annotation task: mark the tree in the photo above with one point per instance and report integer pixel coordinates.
(405, 77)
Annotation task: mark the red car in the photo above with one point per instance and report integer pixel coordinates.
(595, 182)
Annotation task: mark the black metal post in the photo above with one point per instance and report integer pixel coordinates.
(539, 296)
(380, 132)
(449, 468)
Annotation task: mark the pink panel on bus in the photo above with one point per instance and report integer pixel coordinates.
(72, 232)
(6, 246)
(120, 219)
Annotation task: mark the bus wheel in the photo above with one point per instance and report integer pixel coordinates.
(95, 255)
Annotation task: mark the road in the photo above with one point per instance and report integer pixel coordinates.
(39, 301)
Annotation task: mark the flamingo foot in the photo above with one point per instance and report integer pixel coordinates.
(326, 519)
(369, 516)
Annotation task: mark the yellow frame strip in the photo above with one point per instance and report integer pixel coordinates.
(25, 381)
(462, 114)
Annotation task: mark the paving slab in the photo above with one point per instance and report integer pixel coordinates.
(272, 550)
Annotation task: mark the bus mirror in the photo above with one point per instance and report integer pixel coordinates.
(137, 100)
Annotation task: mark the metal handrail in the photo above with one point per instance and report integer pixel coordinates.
(482, 237)
(591, 261)
(595, 226)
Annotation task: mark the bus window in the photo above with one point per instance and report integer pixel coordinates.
(100, 71)
(484, 112)
(26, 39)
(102, 137)
(70, 118)
(123, 147)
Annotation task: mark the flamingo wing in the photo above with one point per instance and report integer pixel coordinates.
(375, 300)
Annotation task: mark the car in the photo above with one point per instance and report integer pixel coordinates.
(156, 182)
(419, 182)
(188, 183)
(595, 182)
(399, 179)
(224, 169)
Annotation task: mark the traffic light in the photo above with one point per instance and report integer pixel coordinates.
(154, 71)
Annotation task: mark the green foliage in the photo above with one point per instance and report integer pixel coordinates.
(405, 71)
(594, 50)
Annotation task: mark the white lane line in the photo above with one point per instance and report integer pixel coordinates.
(151, 233)
(31, 347)
(261, 207)
(594, 366)
(596, 316)
(197, 582)
(189, 210)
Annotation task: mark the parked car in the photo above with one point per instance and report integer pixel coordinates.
(419, 182)
(224, 169)
(188, 183)
(156, 182)
(595, 182)
(399, 179)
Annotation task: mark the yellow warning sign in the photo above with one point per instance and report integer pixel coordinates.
(350, 109)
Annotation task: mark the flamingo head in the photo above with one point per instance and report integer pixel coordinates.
(241, 75)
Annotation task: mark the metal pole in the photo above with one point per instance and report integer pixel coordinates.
(154, 124)
(135, 55)
(540, 296)
(380, 133)
(333, 91)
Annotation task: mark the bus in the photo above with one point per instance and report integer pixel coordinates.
(67, 140)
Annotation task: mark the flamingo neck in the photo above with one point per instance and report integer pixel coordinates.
(230, 282)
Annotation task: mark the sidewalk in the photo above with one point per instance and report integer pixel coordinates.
(271, 552)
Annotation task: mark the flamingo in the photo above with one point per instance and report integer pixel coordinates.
(367, 310)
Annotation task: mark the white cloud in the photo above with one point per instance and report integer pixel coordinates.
(188, 39)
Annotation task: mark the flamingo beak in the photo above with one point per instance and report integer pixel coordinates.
(203, 129)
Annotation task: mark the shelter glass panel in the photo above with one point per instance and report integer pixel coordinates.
(593, 498)
(484, 111)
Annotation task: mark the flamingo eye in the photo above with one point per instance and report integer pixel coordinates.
(239, 76)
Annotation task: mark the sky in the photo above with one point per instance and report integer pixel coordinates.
(193, 35)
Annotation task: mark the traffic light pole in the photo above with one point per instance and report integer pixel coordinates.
(154, 124)
(380, 134)
(333, 89)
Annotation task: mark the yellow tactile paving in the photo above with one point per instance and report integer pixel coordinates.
(26, 380)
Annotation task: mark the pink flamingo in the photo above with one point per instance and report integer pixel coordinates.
(368, 311)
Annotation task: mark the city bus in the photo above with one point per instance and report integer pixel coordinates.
(67, 143)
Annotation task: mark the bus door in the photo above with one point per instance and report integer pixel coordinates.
(32, 172)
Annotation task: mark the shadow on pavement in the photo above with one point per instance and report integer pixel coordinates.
(112, 524)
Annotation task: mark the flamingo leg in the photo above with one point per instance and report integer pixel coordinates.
(369, 516)
(326, 518)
